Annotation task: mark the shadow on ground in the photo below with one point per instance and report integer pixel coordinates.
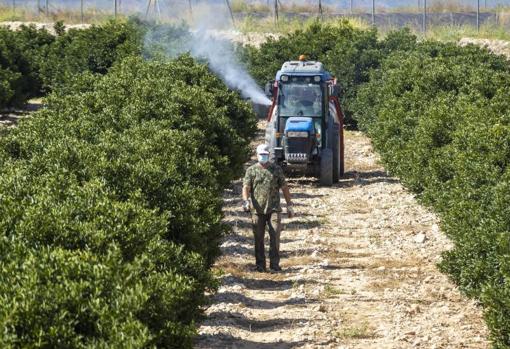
(236, 298)
(225, 341)
(231, 319)
(259, 284)
(248, 239)
(355, 178)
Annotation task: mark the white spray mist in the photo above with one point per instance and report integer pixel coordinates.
(223, 62)
(205, 43)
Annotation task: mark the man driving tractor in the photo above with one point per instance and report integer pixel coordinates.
(301, 101)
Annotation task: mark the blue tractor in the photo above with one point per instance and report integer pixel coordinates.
(305, 121)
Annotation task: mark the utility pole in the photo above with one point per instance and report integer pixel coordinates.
(81, 10)
(231, 13)
(13, 8)
(352, 6)
(115, 8)
(320, 9)
(148, 7)
(424, 24)
(478, 15)
(47, 9)
(276, 13)
(373, 12)
(156, 8)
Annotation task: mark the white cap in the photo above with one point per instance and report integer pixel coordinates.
(263, 149)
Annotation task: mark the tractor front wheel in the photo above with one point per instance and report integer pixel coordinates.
(326, 176)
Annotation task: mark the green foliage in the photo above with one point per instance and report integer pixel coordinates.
(20, 59)
(93, 50)
(8, 84)
(110, 206)
(34, 62)
(440, 117)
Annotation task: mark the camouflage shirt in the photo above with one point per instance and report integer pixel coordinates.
(265, 184)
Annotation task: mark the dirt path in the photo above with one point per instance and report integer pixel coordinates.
(359, 272)
(11, 118)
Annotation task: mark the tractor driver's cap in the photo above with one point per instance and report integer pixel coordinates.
(263, 149)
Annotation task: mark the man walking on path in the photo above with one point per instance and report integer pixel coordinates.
(262, 183)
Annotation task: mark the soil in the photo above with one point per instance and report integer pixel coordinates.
(15, 25)
(499, 47)
(359, 271)
(253, 38)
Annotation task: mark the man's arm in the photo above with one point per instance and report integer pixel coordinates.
(286, 194)
(247, 182)
(246, 196)
(246, 192)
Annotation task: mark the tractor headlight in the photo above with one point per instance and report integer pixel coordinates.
(297, 134)
(318, 132)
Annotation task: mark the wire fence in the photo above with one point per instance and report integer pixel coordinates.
(381, 13)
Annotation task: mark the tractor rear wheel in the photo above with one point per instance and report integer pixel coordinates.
(342, 166)
(326, 176)
(334, 144)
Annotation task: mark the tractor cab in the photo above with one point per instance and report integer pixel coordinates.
(305, 122)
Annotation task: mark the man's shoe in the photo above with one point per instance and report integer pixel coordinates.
(260, 269)
(275, 268)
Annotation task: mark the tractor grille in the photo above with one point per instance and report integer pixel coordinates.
(297, 149)
(297, 145)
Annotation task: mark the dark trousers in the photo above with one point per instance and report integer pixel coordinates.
(274, 224)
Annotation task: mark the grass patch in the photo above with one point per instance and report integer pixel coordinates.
(335, 254)
(287, 24)
(393, 278)
(453, 33)
(387, 283)
(69, 16)
(361, 331)
(331, 291)
(242, 6)
(225, 265)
